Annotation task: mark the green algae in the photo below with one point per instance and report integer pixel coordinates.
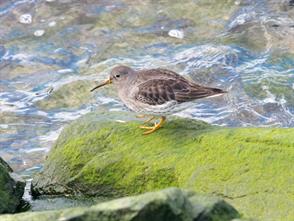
(250, 167)
(71, 95)
(278, 88)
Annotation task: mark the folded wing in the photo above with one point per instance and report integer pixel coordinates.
(160, 91)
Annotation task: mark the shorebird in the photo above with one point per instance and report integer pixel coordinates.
(155, 92)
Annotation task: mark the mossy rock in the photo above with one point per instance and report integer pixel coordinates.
(171, 204)
(11, 190)
(71, 95)
(250, 167)
(275, 89)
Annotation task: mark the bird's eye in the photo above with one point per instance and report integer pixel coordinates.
(117, 76)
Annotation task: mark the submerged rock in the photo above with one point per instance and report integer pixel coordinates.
(11, 190)
(250, 167)
(170, 204)
(262, 25)
(71, 95)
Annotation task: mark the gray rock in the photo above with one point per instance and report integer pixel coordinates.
(170, 204)
(207, 208)
(11, 190)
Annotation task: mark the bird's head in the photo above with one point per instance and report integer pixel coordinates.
(117, 75)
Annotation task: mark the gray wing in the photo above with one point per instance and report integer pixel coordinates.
(160, 91)
(155, 92)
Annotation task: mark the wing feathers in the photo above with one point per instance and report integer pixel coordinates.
(160, 91)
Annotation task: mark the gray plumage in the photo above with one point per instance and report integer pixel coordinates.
(157, 91)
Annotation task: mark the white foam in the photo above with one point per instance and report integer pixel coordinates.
(39, 33)
(66, 116)
(176, 33)
(62, 71)
(4, 126)
(52, 24)
(25, 19)
(41, 149)
(51, 136)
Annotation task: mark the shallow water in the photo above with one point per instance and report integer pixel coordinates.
(51, 52)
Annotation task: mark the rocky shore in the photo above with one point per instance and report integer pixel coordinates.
(170, 204)
(105, 154)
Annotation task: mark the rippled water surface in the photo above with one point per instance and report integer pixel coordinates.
(52, 52)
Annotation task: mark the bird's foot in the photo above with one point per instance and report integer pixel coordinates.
(150, 119)
(140, 116)
(155, 127)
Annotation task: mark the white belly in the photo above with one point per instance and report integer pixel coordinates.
(167, 108)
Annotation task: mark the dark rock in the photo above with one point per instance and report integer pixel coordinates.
(208, 208)
(11, 189)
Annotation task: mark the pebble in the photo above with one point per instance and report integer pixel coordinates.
(52, 24)
(176, 33)
(25, 19)
(238, 2)
(39, 33)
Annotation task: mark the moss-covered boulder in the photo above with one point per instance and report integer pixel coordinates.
(170, 204)
(101, 155)
(11, 190)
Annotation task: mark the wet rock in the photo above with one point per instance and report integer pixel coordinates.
(211, 208)
(121, 27)
(262, 28)
(286, 5)
(26, 70)
(2, 51)
(270, 90)
(71, 95)
(171, 204)
(11, 189)
(98, 156)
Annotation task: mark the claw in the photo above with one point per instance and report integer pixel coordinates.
(155, 127)
(149, 131)
(144, 116)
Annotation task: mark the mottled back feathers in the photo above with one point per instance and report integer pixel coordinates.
(160, 86)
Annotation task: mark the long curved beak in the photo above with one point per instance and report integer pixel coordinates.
(108, 81)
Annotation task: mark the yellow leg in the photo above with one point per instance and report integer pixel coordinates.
(140, 116)
(155, 127)
(150, 119)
